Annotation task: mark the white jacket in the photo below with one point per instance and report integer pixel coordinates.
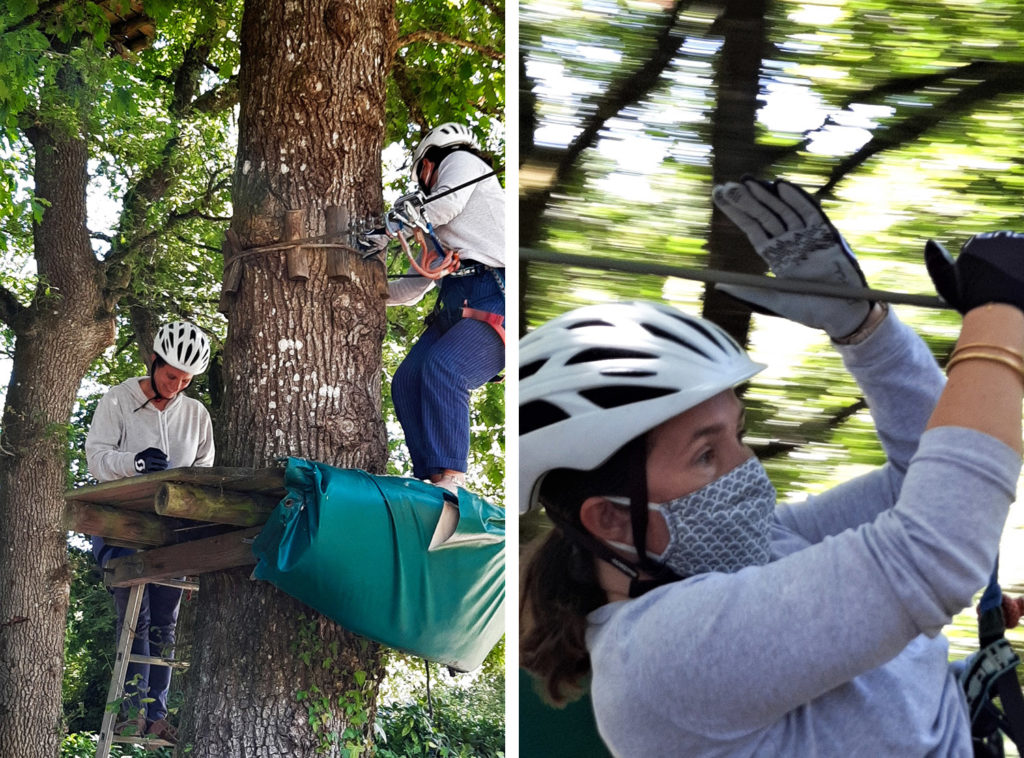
(121, 428)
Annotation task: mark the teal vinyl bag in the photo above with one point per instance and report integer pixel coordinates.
(357, 548)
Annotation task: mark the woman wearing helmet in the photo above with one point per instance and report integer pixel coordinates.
(710, 620)
(463, 346)
(142, 425)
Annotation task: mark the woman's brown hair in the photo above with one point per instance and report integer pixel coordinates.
(558, 584)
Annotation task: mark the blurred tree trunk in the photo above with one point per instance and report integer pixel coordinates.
(735, 150)
(302, 370)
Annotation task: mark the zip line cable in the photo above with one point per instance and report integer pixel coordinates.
(716, 276)
(439, 195)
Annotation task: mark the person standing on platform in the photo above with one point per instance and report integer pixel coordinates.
(142, 425)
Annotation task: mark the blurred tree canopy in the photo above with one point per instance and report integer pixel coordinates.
(904, 118)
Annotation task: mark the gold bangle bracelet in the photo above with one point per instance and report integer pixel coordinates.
(970, 345)
(1017, 367)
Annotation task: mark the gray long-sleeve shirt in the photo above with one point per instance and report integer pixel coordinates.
(834, 647)
(119, 431)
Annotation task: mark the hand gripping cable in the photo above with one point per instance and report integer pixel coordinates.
(407, 214)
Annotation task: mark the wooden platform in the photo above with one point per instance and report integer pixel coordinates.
(185, 520)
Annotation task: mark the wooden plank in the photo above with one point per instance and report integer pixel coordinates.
(211, 504)
(139, 492)
(340, 261)
(133, 527)
(232, 249)
(297, 257)
(198, 557)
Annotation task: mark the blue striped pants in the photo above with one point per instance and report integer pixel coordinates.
(454, 356)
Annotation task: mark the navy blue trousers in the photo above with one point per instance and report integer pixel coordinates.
(154, 636)
(454, 356)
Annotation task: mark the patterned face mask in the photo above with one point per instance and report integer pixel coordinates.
(723, 526)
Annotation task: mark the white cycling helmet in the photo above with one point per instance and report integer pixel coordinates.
(445, 135)
(596, 377)
(184, 346)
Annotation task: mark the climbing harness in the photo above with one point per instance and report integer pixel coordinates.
(992, 673)
(406, 217)
(495, 320)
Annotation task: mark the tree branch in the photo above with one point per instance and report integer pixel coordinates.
(627, 91)
(12, 312)
(218, 99)
(410, 97)
(441, 38)
(911, 129)
(976, 70)
(193, 243)
(41, 12)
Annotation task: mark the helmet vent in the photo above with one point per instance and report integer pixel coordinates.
(530, 368)
(539, 414)
(624, 394)
(593, 322)
(593, 354)
(659, 332)
(729, 344)
(634, 372)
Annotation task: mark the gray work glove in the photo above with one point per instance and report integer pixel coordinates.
(372, 243)
(792, 234)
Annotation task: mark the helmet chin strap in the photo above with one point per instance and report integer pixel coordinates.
(658, 574)
(152, 382)
(645, 573)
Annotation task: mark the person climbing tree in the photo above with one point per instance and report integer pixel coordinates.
(463, 346)
(709, 619)
(142, 425)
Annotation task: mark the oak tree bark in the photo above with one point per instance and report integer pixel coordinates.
(302, 370)
(66, 326)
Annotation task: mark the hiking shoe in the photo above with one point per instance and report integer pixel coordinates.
(162, 728)
(134, 727)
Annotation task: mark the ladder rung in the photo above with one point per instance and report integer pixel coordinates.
(184, 584)
(150, 741)
(154, 661)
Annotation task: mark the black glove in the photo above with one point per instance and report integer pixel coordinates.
(990, 269)
(150, 459)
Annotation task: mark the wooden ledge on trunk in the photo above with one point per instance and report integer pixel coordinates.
(223, 551)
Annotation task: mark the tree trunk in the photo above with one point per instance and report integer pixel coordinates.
(735, 150)
(57, 337)
(302, 371)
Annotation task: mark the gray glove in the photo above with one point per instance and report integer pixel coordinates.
(372, 243)
(790, 232)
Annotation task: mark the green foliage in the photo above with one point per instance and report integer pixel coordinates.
(442, 80)
(464, 716)
(83, 745)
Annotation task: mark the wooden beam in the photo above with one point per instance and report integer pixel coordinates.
(117, 524)
(297, 257)
(138, 492)
(211, 504)
(339, 260)
(198, 557)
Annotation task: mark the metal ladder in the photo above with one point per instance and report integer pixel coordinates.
(124, 657)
